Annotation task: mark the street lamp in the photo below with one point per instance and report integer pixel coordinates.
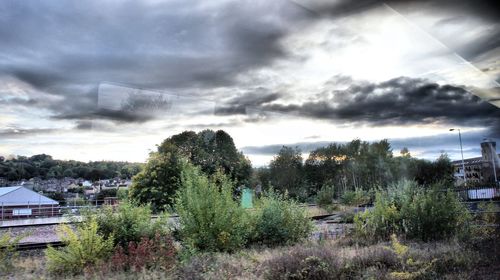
(461, 151)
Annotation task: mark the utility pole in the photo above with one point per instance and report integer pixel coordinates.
(462, 152)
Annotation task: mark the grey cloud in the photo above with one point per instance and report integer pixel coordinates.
(397, 101)
(252, 99)
(67, 48)
(160, 45)
(23, 132)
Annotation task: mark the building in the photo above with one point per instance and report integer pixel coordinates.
(479, 171)
(20, 202)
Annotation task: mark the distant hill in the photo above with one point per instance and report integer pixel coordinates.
(45, 167)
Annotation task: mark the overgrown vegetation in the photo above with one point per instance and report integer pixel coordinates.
(278, 220)
(127, 223)
(157, 253)
(8, 251)
(210, 220)
(85, 247)
(355, 197)
(417, 213)
(324, 198)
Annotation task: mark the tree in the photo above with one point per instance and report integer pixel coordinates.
(159, 180)
(210, 151)
(286, 171)
(440, 170)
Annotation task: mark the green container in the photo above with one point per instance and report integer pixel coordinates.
(246, 198)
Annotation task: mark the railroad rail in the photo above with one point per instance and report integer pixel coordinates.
(37, 245)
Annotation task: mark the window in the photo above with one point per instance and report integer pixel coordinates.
(21, 212)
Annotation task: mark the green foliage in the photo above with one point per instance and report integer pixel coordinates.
(356, 197)
(84, 247)
(45, 167)
(211, 151)
(157, 183)
(57, 196)
(209, 218)
(106, 193)
(8, 251)
(278, 221)
(425, 214)
(122, 194)
(127, 223)
(286, 171)
(324, 198)
(486, 222)
(362, 165)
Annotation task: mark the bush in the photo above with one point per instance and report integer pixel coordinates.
(324, 198)
(304, 263)
(209, 218)
(356, 197)
(8, 251)
(486, 220)
(278, 220)
(156, 253)
(415, 213)
(128, 223)
(84, 248)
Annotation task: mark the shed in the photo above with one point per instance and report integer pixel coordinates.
(20, 202)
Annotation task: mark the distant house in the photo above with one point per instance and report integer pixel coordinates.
(20, 202)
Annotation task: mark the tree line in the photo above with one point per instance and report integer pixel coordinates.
(351, 166)
(45, 167)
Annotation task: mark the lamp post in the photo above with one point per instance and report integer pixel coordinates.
(461, 151)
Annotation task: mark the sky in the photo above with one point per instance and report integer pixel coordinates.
(109, 80)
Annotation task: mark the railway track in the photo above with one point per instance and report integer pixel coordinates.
(38, 245)
(43, 245)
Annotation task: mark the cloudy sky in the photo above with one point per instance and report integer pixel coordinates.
(107, 80)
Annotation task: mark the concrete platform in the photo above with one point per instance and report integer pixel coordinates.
(38, 221)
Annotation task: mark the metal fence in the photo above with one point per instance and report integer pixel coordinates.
(27, 209)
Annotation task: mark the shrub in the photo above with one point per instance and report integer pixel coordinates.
(85, 247)
(304, 263)
(156, 253)
(209, 218)
(128, 223)
(325, 196)
(356, 197)
(8, 251)
(486, 220)
(415, 213)
(278, 220)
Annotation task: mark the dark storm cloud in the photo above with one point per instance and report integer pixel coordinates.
(253, 99)
(65, 48)
(167, 44)
(482, 8)
(397, 101)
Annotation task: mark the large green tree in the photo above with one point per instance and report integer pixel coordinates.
(208, 150)
(211, 150)
(159, 180)
(287, 172)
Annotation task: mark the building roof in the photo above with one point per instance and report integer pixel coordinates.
(18, 195)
